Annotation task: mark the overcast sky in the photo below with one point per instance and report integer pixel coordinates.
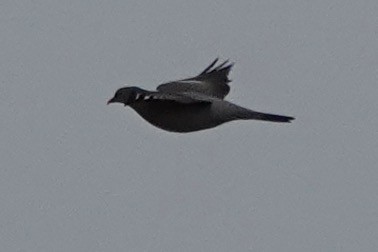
(77, 175)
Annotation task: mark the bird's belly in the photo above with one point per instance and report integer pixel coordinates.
(179, 118)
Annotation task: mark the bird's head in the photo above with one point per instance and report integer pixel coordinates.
(125, 95)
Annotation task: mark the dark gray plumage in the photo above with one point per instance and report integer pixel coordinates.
(191, 104)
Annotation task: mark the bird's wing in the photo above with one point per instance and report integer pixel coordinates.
(183, 98)
(213, 81)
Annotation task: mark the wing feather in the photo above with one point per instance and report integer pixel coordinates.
(213, 81)
(183, 98)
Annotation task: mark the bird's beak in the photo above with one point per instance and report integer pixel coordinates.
(110, 101)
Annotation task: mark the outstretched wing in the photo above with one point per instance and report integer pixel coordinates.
(213, 81)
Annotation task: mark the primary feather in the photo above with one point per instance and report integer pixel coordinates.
(213, 81)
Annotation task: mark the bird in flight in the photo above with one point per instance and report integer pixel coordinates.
(191, 104)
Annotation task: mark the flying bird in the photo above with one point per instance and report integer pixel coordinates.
(191, 104)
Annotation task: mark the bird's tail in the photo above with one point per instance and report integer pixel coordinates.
(265, 117)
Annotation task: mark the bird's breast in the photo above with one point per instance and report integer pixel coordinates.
(176, 117)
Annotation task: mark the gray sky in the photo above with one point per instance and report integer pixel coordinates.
(77, 175)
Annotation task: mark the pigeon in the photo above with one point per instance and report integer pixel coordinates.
(191, 104)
